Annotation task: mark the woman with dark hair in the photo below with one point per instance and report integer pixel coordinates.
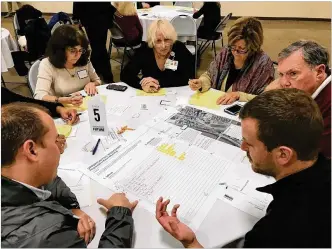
(67, 68)
(242, 70)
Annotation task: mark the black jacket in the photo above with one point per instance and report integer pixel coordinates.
(144, 61)
(8, 96)
(300, 214)
(94, 13)
(27, 221)
(211, 13)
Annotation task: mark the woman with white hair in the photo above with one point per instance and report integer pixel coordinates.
(127, 19)
(162, 61)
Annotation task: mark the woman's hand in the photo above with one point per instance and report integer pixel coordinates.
(150, 85)
(195, 84)
(91, 89)
(68, 115)
(228, 98)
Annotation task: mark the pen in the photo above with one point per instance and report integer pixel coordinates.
(96, 147)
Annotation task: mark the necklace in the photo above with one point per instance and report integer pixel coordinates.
(72, 75)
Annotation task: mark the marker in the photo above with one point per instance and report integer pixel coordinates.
(96, 147)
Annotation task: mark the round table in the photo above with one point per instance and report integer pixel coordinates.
(7, 46)
(147, 16)
(223, 223)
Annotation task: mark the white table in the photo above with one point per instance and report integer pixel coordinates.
(223, 223)
(7, 46)
(147, 16)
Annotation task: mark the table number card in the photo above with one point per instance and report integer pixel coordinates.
(97, 116)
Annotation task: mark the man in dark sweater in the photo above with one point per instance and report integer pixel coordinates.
(36, 205)
(281, 130)
(304, 65)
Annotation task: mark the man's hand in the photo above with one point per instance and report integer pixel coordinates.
(68, 115)
(61, 143)
(86, 227)
(228, 98)
(174, 226)
(91, 89)
(118, 200)
(195, 84)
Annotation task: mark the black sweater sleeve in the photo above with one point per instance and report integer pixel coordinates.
(10, 97)
(129, 74)
(199, 13)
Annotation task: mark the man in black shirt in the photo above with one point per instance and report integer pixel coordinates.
(281, 131)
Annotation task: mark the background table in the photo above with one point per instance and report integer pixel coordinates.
(147, 16)
(7, 46)
(223, 223)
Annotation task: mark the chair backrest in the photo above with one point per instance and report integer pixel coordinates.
(116, 32)
(184, 25)
(221, 26)
(56, 25)
(32, 76)
(16, 24)
(184, 4)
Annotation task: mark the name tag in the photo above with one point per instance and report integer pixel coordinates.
(82, 74)
(171, 64)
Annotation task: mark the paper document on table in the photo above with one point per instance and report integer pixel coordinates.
(207, 99)
(152, 166)
(64, 130)
(84, 105)
(70, 177)
(161, 92)
(240, 192)
(83, 191)
(117, 110)
(234, 131)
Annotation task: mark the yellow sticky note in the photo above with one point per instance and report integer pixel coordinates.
(64, 130)
(84, 105)
(161, 92)
(207, 99)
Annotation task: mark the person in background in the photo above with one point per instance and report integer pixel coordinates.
(38, 210)
(163, 61)
(281, 131)
(241, 70)
(146, 5)
(211, 19)
(304, 65)
(66, 69)
(127, 19)
(97, 19)
(56, 110)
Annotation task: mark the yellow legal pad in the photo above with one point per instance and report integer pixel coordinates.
(207, 99)
(161, 92)
(64, 130)
(84, 105)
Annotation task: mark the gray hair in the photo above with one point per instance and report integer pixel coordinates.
(313, 53)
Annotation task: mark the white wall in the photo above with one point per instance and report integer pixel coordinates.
(306, 9)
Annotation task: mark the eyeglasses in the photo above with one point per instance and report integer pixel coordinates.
(239, 51)
(74, 51)
(167, 42)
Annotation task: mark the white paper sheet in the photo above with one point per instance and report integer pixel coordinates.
(117, 110)
(83, 191)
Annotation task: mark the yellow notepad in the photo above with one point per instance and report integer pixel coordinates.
(64, 130)
(207, 99)
(161, 92)
(84, 105)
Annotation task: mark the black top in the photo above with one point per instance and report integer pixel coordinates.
(232, 76)
(211, 12)
(144, 61)
(10, 97)
(152, 4)
(300, 214)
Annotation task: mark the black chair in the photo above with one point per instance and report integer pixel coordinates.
(119, 42)
(218, 35)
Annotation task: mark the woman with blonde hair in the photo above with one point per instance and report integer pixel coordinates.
(126, 18)
(241, 70)
(163, 61)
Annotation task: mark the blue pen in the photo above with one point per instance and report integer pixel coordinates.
(96, 147)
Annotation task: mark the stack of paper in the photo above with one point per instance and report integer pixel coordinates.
(84, 105)
(161, 92)
(207, 99)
